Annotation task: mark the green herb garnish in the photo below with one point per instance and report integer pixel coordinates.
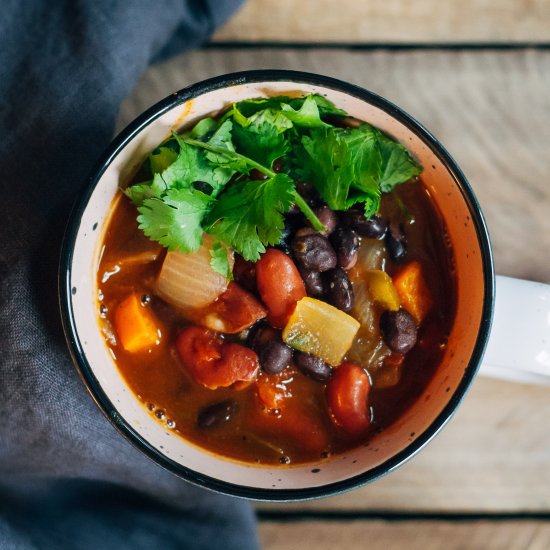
(200, 180)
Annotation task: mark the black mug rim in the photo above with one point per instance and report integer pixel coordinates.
(86, 372)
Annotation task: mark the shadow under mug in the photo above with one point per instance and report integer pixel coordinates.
(473, 263)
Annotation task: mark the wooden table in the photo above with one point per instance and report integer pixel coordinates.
(484, 482)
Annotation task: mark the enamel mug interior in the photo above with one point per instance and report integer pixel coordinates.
(384, 451)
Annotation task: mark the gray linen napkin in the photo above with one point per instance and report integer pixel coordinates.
(67, 478)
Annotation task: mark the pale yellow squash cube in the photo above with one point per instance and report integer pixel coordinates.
(320, 329)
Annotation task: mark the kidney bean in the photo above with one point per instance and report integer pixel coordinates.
(279, 284)
(373, 228)
(339, 289)
(273, 353)
(347, 397)
(327, 217)
(312, 366)
(398, 330)
(314, 252)
(346, 245)
(396, 243)
(315, 286)
(217, 414)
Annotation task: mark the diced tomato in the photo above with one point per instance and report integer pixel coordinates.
(347, 396)
(279, 284)
(213, 362)
(296, 422)
(271, 390)
(235, 310)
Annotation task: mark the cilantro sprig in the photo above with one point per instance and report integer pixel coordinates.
(200, 181)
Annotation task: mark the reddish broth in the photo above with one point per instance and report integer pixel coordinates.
(302, 431)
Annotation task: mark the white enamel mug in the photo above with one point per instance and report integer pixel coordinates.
(518, 345)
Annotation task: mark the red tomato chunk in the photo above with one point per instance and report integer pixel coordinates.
(213, 362)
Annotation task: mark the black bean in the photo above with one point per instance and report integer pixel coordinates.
(396, 243)
(373, 228)
(273, 353)
(314, 252)
(327, 217)
(313, 366)
(275, 356)
(217, 414)
(304, 231)
(398, 330)
(308, 193)
(346, 245)
(278, 165)
(315, 285)
(339, 289)
(256, 175)
(259, 335)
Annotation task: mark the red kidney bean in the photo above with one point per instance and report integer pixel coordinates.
(314, 252)
(347, 397)
(339, 289)
(312, 366)
(279, 284)
(217, 414)
(398, 330)
(373, 228)
(346, 245)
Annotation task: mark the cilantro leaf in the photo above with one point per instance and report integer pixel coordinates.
(175, 219)
(325, 106)
(307, 115)
(192, 165)
(161, 158)
(249, 215)
(219, 261)
(203, 128)
(344, 166)
(262, 137)
(248, 107)
(139, 192)
(397, 164)
(225, 156)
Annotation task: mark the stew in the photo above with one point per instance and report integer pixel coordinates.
(266, 302)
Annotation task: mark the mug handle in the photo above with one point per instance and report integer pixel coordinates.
(519, 342)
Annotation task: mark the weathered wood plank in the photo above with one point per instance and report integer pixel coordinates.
(395, 21)
(409, 535)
